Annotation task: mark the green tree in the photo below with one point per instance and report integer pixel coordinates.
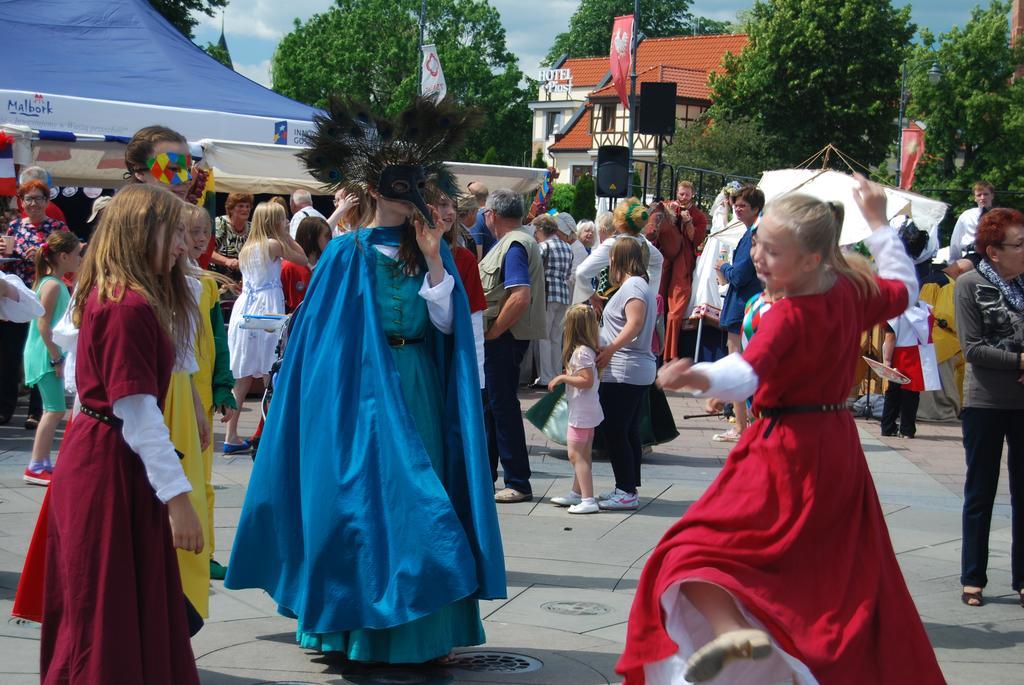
(818, 73)
(179, 12)
(703, 26)
(562, 197)
(538, 160)
(490, 156)
(331, 53)
(220, 54)
(739, 147)
(974, 116)
(584, 204)
(590, 28)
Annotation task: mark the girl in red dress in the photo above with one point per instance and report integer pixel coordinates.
(113, 608)
(784, 571)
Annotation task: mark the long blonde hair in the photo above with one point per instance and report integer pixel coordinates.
(817, 226)
(265, 222)
(580, 329)
(135, 234)
(194, 215)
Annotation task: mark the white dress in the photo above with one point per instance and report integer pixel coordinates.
(253, 352)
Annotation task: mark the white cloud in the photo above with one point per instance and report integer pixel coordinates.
(260, 73)
(264, 19)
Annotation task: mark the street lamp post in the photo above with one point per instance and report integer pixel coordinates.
(934, 76)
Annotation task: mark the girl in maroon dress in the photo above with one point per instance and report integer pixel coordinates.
(113, 608)
(784, 569)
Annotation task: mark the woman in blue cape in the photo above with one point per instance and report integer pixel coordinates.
(370, 515)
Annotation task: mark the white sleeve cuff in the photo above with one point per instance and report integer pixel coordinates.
(146, 434)
(65, 336)
(439, 301)
(892, 260)
(732, 379)
(25, 308)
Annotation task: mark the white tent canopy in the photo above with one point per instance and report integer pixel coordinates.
(837, 186)
(98, 161)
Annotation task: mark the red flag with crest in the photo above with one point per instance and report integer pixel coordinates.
(618, 56)
(910, 155)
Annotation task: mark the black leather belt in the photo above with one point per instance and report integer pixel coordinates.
(396, 341)
(774, 413)
(100, 416)
(110, 421)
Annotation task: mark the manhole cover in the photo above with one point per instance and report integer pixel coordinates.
(576, 608)
(496, 662)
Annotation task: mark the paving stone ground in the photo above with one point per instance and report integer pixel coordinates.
(571, 579)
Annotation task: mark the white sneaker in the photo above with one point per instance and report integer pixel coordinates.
(590, 507)
(620, 500)
(610, 494)
(567, 500)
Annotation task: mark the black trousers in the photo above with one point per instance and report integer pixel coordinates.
(12, 348)
(621, 404)
(984, 433)
(899, 412)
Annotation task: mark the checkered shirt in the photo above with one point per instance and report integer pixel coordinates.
(557, 257)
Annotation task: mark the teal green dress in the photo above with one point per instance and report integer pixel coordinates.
(36, 359)
(403, 315)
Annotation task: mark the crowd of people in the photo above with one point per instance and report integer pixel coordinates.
(437, 301)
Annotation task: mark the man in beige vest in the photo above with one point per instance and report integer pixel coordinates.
(512, 274)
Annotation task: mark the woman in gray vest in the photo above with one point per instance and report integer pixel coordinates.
(628, 364)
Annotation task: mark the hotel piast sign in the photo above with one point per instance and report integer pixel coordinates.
(556, 80)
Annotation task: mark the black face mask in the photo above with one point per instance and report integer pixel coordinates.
(406, 182)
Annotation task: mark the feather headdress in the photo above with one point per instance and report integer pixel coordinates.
(352, 145)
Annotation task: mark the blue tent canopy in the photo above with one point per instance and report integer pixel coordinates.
(103, 67)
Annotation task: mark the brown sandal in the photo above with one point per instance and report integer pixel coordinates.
(974, 599)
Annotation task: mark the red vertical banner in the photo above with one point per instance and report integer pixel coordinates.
(8, 179)
(910, 155)
(618, 56)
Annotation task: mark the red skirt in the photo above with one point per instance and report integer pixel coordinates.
(793, 529)
(113, 607)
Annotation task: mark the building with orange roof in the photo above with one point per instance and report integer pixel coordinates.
(578, 109)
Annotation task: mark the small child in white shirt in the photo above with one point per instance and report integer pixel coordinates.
(579, 357)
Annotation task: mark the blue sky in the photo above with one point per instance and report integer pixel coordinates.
(254, 27)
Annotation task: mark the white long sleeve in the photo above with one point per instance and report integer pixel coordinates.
(963, 233)
(589, 269)
(439, 301)
(892, 260)
(477, 318)
(146, 433)
(23, 309)
(732, 378)
(600, 257)
(655, 265)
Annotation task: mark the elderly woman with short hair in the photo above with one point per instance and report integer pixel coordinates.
(990, 324)
(230, 231)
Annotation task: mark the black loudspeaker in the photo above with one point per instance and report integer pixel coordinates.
(657, 115)
(612, 176)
